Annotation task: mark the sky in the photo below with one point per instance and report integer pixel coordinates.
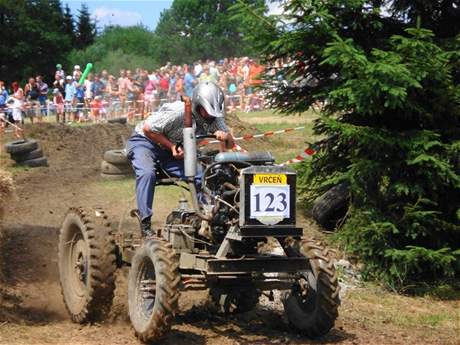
(127, 12)
(123, 12)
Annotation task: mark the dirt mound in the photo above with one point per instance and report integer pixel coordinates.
(67, 147)
(6, 190)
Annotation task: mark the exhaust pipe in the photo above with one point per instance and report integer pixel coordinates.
(190, 156)
(190, 153)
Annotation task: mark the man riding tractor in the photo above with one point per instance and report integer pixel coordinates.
(155, 143)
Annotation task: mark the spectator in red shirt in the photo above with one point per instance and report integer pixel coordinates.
(164, 86)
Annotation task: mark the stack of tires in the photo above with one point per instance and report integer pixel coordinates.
(116, 165)
(26, 152)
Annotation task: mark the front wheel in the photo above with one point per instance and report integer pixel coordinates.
(311, 305)
(87, 264)
(153, 289)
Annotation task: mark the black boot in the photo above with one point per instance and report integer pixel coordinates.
(146, 228)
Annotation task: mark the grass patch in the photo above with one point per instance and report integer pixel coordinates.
(424, 316)
(166, 197)
(283, 146)
(270, 113)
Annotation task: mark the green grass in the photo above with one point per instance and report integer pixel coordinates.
(416, 313)
(265, 127)
(166, 197)
(286, 145)
(272, 113)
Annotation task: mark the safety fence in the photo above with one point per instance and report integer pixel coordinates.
(102, 110)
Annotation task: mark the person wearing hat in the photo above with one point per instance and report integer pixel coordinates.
(76, 73)
(70, 96)
(59, 72)
(58, 102)
(153, 143)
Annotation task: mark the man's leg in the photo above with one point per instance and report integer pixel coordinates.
(142, 155)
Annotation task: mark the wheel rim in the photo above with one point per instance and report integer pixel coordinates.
(147, 288)
(77, 268)
(305, 291)
(79, 263)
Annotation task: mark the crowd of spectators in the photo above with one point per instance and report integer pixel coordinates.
(134, 94)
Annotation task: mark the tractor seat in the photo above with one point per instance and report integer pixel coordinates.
(255, 158)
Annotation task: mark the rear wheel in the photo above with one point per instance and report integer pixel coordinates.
(153, 289)
(311, 305)
(87, 264)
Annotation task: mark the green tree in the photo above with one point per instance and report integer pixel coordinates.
(68, 23)
(32, 38)
(119, 47)
(86, 28)
(199, 29)
(390, 124)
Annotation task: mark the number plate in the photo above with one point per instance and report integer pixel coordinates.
(270, 197)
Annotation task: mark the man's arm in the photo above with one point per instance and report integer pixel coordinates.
(222, 133)
(162, 140)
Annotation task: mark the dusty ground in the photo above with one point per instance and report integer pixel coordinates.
(31, 307)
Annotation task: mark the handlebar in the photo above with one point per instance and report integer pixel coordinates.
(197, 137)
(205, 136)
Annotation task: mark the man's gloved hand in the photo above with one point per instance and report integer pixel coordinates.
(177, 152)
(227, 138)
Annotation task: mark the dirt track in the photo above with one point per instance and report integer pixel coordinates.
(32, 311)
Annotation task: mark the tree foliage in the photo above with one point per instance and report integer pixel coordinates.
(119, 48)
(390, 124)
(86, 28)
(68, 24)
(199, 29)
(31, 32)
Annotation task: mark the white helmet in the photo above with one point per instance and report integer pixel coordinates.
(210, 97)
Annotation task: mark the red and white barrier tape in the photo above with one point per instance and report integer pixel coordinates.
(248, 137)
(307, 153)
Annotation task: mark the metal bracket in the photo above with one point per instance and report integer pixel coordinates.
(232, 234)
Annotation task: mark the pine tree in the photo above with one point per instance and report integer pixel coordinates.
(390, 125)
(86, 28)
(68, 24)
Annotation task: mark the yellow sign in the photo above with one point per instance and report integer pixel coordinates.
(270, 179)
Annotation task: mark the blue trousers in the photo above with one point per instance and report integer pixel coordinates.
(146, 157)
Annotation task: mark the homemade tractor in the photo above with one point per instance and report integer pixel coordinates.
(241, 242)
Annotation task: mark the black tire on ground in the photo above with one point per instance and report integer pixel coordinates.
(121, 120)
(115, 177)
(115, 169)
(153, 289)
(87, 264)
(234, 301)
(21, 157)
(311, 306)
(36, 162)
(21, 146)
(332, 206)
(116, 157)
